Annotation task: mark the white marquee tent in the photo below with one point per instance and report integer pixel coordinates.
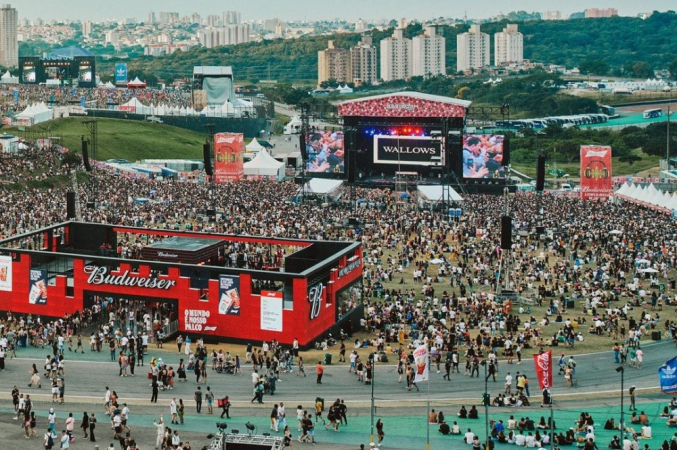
(35, 113)
(647, 196)
(134, 106)
(264, 165)
(254, 146)
(435, 194)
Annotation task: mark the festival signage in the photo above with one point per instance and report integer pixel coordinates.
(667, 374)
(228, 157)
(101, 276)
(271, 311)
(408, 150)
(315, 298)
(352, 265)
(421, 361)
(196, 320)
(596, 179)
(37, 282)
(121, 74)
(543, 363)
(229, 295)
(5, 273)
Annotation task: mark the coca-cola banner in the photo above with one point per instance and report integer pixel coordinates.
(408, 150)
(421, 361)
(596, 180)
(543, 364)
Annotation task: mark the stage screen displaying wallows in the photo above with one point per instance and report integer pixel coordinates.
(484, 156)
(326, 152)
(407, 150)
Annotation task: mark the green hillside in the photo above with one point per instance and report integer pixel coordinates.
(131, 140)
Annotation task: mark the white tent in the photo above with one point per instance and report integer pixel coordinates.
(264, 165)
(436, 193)
(322, 186)
(294, 126)
(134, 106)
(7, 78)
(109, 85)
(35, 113)
(254, 146)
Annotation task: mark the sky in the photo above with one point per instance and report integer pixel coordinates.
(288, 10)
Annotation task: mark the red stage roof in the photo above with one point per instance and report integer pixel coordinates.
(404, 104)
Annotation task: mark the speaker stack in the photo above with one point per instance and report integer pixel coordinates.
(540, 173)
(506, 232)
(207, 155)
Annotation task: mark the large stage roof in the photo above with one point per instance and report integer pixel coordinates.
(404, 104)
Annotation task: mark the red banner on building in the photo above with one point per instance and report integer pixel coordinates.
(596, 181)
(543, 364)
(228, 157)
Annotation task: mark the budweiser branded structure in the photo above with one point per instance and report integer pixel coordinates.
(596, 181)
(302, 289)
(228, 157)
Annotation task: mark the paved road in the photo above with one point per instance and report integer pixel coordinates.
(88, 374)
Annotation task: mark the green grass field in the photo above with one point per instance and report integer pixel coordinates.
(132, 140)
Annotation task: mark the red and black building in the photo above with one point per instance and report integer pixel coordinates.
(308, 288)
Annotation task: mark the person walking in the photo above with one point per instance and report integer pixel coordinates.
(379, 431)
(225, 407)
(209, 397)
(319, 371)
(180, 410)
(632, 398)
(302, 369)
(198, 399)
(85, 424)
(173, 412)
(92, 426)
(273, 418)
(639, 356)
(154, 384)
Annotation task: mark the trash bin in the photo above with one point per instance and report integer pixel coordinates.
(327, 359)
(570, 303)
(672, 284)
(656, 335)
(321, 400)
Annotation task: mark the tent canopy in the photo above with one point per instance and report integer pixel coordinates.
(264, 165)
(254, 146)
(136, 83)
(322, 186)
(435, 193)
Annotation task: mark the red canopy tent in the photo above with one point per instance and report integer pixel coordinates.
(136, 83)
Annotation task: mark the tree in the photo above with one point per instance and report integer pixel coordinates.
(642, 69)
(71, 159)
(594, 67)
(673, 69)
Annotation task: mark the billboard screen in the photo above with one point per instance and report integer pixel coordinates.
(596, 181)
(326, 152)
(121, 74)
(408, 150)
(29, 74)
(228, 157)
(484, 156)
(85, 73)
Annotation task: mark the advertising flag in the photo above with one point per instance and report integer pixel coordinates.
(543, 364)
(596, 181)
(37, 294)
(667, 374)
(228, 157)
(121, 74)
(229, 295)
(421, 361)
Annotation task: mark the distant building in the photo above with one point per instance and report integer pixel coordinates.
(552, 15)
(428, 54)
(363, 61)
(195, 18)
(360, 26)
(473, 49)
(508, 46)
(232, 18)
(167, 17)
(270, 24)
(402, 23)
(151, 17)
(213, 20)
(86, 28)
(333, 63)
(113, 38)
(597, 13)
(212, 37)
(9, 44)
(396, 53)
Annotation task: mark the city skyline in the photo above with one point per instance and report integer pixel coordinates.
(349, 10)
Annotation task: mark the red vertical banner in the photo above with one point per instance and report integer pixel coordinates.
(543, 363)
(596, 181)
(228, 157)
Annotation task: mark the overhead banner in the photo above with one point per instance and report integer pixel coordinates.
(667, 374)
(271, 311)
(121, 74)
(5, 273)
(408, 150)
(228, 157)
(596, 181)
(229, 295)
(421, 361)
(543, 363)
(37, 283)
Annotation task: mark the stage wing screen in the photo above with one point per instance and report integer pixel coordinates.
(407, 150)
(483, 156)
(326, 152)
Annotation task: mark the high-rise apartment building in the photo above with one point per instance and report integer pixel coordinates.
(9, 44)
(232, 18)
(229, 35)
(195, 18)
(333, 63)
(551, 15)
(360, 26)
(152, 18)
(473, 49)
(508, 46)
(363, 61)
(428, 54)
(86, 28)
(597, 13)
(169, 17)
(396, 55)
(213, 20)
